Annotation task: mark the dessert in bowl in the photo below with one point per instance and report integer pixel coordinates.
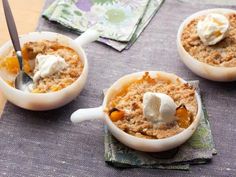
(206, 42)
(57, 64)
(148, 111)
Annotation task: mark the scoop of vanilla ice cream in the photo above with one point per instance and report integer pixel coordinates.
(159, 108)
(48, 65)
(212, 28)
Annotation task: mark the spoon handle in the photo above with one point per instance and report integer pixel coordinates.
(12, 29)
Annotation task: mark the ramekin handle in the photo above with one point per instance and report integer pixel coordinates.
(87, 114)
(87, 37)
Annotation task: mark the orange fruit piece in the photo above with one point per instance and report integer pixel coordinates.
(117, 115)
(11, 64)
(27, 67)
(183, 118)
(25, 53)
(55, 88)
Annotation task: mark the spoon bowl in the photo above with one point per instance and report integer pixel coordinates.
(23, 80)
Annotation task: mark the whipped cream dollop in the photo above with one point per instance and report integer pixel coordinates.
(47, 65)
(212, 28)
(159, 108)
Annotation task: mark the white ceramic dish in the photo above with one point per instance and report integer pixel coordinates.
(141, 144)
(47, 101)
(215, 73)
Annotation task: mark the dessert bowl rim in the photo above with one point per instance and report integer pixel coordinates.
(186, 22)
(191, 129)
(7, 46)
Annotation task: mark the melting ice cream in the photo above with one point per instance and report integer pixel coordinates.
(48, 65)
(159, 108)
(212, 28)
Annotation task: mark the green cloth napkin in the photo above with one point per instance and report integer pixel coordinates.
(119, 22)
(199, 149)
(151, 10)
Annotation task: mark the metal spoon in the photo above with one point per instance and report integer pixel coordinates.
(22, 79)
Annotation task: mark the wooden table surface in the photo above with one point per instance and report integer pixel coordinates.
(26, 17)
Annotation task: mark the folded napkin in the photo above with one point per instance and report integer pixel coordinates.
(119, 22)
(151, 10)
(199, 149)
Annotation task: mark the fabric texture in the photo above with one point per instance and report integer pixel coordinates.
(197, 150)
(119, 22)
(48, 144)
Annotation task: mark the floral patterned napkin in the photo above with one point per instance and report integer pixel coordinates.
(151, 10)
(119, 22)
(199, 149)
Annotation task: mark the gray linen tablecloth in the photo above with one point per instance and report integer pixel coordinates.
(47, 144)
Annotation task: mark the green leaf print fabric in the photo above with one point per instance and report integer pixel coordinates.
(119, 22)
(199, 149)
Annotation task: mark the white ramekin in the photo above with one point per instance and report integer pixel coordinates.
(141, 144)
(47, 101)
(215, 73)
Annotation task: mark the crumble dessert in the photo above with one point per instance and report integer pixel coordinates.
(52, 65)
(126, 108)
(216, 52)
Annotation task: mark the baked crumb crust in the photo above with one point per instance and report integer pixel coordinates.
(58, 80)
(130, 101)
(220, 54)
